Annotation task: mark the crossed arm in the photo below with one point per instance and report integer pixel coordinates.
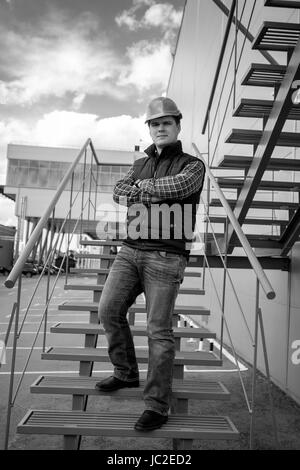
(129, 190)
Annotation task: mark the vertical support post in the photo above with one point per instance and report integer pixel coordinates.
(69, 228)
(224, 290)
(208, 201)
(82, 198)
(254, 364)
(90, 186)
(50, 259)
(235, 53)
(13, 363)
(263, 339)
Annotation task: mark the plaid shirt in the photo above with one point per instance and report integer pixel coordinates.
(177, 187)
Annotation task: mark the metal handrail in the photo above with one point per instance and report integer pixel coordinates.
(265, 283)
(18, 267)
(220, 61)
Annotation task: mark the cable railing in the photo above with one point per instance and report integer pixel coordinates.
(261, 281)
(73, 209)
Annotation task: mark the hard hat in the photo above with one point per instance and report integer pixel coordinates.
(160, 107)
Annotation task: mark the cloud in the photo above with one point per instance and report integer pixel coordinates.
(64, 57)
(70, 128)
(59, 57)
(150, 65)
(160, 15)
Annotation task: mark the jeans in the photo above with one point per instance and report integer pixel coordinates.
(158, 275)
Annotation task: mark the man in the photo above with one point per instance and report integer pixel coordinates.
(152, 259)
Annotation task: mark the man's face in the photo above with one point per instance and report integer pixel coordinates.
(164, 131)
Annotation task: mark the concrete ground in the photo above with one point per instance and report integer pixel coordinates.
(287, 412)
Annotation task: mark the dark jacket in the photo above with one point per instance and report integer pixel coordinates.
(167, 225)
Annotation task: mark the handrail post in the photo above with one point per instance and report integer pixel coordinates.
(224, 291)
(265, 283)
(90, 187)
(263, 340)
(50, 257)
(13, 363)
(255, 345)
(82, 198)
(70, 219)
(216, 78)
(208, 202)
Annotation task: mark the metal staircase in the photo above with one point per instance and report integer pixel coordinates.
(181, 427)
(272, 36)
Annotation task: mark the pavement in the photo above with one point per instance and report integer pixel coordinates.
(287, 411)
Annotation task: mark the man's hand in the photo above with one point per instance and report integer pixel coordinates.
(155, 199)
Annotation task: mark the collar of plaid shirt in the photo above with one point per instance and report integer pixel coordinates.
(170, 150)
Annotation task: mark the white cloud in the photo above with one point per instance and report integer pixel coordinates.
(150, 65)
(56, 59)
(70, 128)
(162, 15)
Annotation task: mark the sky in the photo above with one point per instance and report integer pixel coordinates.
(73, 69)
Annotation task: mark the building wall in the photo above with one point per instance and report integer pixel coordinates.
(190, 84)
(35, 172)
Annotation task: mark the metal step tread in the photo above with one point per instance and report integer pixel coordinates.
(253, 137)
(263, 185)
(276, 164)
(189, 389)
(106, 271)
(282, 3)
(95, 256)
(137, 308)
(99, 288)
(267, 75)
(121, 424)
(262, 221)
(200, 358)
(255, 108)
(277, 36)
(95, 329)
(101, 242)
(272, 205)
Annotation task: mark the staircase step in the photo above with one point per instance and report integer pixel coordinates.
(266, 75)
(263, 185)
(272, 205)
(99, 288)
(253, 137)
(187, 273)
(95, 329)
(194, 358)
(255, 240)
(277, 36)
(137, 308)
(254, 108)
(89, 270)
(95, 256)
(101, 242)
(188, 389)
(275, 164)
(262, 221)
(282, 3)
(118, 424)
